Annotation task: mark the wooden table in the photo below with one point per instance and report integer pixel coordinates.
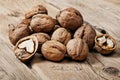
(104, 14)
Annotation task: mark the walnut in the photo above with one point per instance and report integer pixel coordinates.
(77, 49)
(70, 18)
(105, 44)
(42, 23)
(53, 50)
(87, 33)
(26, 48)
(61, 35)
(18, 32)
(39, 9)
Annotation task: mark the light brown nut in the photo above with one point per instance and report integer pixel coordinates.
(42, 38)
(77, 49)
(39, 9)
(105, 44)
(87, 33)
(53, 50)
(70, 18)
(26, 48)
(61, 35)
(42, 23)
(18, 32)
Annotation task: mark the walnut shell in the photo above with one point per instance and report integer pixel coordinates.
(103, 44)
(70, 18)
(77, 49)
(26, 48)
(53, 50)
(61, 35)
(18, 32)
(42, 23)
(42, 38)
(87, 33)
(39, 9)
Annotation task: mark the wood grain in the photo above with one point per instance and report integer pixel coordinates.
(100, 13)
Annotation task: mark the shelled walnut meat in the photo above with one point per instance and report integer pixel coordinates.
(42, 23)
(70, 18)
(87, 33)
(61, 35)
(26, 48)
(39, 9)
(77, 49)
(42, 38)
(105, 44)
(18, 32)
(53, 50)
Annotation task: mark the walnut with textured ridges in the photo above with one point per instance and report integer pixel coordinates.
(105, 44)
(39, 9)
(61, 35)
(42, 23)
(53, 50)
(77, 49)
(42, 38)
(87, 33)
(70, 18)
(18, 32)
(26, 48)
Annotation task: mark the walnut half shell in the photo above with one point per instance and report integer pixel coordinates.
(105, 44)
(26, 48)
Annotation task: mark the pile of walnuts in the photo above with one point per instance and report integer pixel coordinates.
(68, 34)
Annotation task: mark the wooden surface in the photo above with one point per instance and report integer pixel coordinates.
(104, 14)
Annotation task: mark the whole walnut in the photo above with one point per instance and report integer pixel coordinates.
(87, 33)
(18, 32)
(53, 50)
(42, 23)
(61, 35)
(70, 18)
(77, 49)
(42, 38)
(39, 9)
(105, 44)
(26, 48)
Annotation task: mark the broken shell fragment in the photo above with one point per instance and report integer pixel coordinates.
(26, 48)
(105, 44)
